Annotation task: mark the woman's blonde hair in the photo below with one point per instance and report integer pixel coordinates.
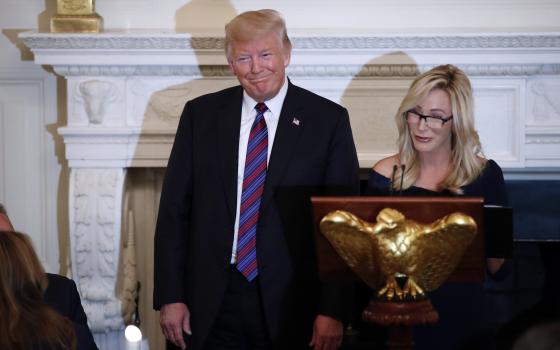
(26, 320)
(465, 143)
(252, 25)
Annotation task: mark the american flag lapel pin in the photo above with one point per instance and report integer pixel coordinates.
(295, 121)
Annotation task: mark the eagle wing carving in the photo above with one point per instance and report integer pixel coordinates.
(395, 247)
(441, 246)
(354, 241)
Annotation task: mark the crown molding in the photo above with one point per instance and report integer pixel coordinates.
(318, 70)
(171, 53)
(168, 40)
(543, 135)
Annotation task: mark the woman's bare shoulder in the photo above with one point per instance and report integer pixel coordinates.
(385, 165)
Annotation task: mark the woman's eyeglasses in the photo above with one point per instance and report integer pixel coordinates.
(433, 122)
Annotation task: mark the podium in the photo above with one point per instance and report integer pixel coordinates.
(400, 315)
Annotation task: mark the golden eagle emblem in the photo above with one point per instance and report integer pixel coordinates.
(398, 249)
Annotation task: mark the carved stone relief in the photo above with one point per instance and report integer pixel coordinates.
(315, 70)
(543, 139)
(157, 104)
(544, 102)
(95, 102)
(166, 105)
(95, 236)
(499, 117)
(181, 41)
(97, 94)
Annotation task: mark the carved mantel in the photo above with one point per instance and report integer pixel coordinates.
(126, 89)
(138, 81)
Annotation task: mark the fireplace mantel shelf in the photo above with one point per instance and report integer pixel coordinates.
(166, 48)
(127, 87)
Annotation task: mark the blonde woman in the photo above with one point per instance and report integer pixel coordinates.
(439, 154)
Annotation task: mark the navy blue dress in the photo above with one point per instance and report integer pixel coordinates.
(463, 318)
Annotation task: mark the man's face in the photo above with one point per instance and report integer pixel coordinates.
(260, 65)
(5, 224)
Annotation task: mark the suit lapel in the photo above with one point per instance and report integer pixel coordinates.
(290, 126)
(227, 146)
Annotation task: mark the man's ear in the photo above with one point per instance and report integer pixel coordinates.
(5, 224)
(287, 58)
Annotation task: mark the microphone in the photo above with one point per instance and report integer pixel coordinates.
(395, 167)
(402, 179)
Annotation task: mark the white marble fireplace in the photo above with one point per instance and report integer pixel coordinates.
(125, 92)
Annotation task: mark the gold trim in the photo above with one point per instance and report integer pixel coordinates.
(77, 24)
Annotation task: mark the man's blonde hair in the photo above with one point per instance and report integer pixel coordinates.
(252, 25)
(465, 143)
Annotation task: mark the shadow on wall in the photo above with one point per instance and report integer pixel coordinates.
(43, 25)
(372, 97)
(215, 12)
(44, 18)
(12, 36)
(43, 21)
(63, 210)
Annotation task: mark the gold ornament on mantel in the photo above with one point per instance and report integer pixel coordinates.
(395, 248)
(76, 16)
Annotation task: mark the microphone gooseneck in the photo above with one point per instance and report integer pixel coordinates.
(402, 178)
(395, 167)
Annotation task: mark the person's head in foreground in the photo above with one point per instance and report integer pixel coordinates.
(26, 319)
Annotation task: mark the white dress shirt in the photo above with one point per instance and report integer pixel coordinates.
(248, 114)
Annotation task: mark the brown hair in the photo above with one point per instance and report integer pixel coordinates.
(26, 320)
(251, 25)
(465, 143)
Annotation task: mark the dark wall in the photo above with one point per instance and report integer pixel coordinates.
(536, 209)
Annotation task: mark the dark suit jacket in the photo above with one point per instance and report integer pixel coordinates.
(84, 340)
(194, 233)
(62, 295)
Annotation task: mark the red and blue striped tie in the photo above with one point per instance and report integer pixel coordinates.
(253, 185)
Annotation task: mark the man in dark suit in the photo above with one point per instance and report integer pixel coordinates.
(227, 272)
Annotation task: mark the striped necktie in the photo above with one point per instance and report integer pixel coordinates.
(251, 193)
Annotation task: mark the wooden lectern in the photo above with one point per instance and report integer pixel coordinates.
(400, 316)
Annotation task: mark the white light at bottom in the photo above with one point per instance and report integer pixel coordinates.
(132, 334)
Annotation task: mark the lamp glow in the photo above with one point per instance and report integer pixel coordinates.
(132, 334)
